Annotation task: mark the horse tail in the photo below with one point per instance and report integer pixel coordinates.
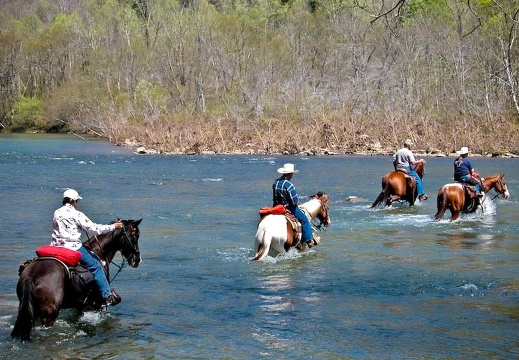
(384, 194)
(262, 242)
(441, 203)
(378, 200)
(387, 194)
(25, 320)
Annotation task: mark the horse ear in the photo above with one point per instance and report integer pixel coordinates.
(137, 222)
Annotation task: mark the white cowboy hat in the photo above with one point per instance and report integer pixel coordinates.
(408, 142)
(72, 194)
(464, 150)
(287, 169)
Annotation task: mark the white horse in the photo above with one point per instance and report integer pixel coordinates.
(276, 232)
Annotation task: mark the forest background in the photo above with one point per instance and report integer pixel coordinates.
(265, 76)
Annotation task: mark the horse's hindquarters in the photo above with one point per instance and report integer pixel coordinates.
(271, 233)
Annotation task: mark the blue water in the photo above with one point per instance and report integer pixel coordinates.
(384, 284)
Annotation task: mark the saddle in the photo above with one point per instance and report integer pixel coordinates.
(281, 210)
(411, 181)
(470, 190)
(472, 200)
(80, 280)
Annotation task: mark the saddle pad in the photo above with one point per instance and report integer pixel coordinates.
(69, 257)
(276, 210)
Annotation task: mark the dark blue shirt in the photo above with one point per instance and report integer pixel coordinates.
(462, 167)
(284, 193)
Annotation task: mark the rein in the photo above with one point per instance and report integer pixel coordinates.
(499, 181)
(317, 224)
(103, 256)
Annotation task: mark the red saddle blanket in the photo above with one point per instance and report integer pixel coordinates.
(276, 210)
(69, 257)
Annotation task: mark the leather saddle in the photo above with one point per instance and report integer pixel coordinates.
(80, 281)
(281, 210)
(411, 181)
(472, 200)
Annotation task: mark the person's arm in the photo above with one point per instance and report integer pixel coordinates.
(88, 225)
(294, 199)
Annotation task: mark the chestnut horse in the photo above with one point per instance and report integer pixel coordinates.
(454, 198)
(398, 187)
(276, 231)
(44, 286)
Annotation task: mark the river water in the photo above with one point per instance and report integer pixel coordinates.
(384, 284)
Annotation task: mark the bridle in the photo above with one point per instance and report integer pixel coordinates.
(128, 239)
(321, 219)
(502, 185)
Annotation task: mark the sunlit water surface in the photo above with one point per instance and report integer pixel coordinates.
(385, 284)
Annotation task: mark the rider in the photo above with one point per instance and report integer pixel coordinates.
(285, 193)
(66, 223)
(403, 159)
(464, 171)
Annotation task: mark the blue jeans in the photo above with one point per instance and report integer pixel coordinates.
(419, 183)
(469, 180)
(306, 227)
(95, 267)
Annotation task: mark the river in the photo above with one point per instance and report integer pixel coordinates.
(383, 284)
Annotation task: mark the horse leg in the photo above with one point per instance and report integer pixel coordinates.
(441, 204)
(457, 206)
(290, 238)
(262, 242)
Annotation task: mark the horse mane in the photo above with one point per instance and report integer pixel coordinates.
(312, 205)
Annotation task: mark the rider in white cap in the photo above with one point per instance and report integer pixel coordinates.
(67, 223)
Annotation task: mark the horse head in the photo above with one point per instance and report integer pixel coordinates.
(496, 182)
(323, 213)
(130, 242)
(125, 240)
(420, 170)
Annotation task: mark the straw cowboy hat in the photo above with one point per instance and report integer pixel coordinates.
(408, 142)
(287, 169)
(464, 150)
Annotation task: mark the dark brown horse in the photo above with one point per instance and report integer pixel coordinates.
(397, 186)
(277, 232)
(454, 198)
(44, 286)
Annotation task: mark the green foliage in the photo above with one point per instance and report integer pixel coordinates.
(150, 99)
(27, 114)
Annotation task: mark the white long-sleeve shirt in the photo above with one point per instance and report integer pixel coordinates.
(68, 222)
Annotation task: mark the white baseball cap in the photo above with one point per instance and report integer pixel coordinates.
(71, 194)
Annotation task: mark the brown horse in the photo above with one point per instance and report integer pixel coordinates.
(45, 286)
(454, 198)
(277, 232)
(397, 186)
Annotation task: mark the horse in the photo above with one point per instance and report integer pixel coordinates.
(276, 231)
(45, 284)
(454, 198)
(396, 186)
